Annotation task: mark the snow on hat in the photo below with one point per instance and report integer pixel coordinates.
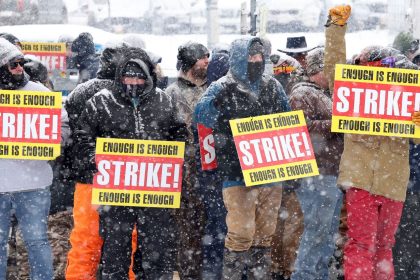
(83, 44)
(11, 38)
(256, 48)
(189, 53)
(315, 61)
(295, 45)
(133, 70)
(8, 52)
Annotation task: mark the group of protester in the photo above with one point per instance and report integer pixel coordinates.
(223, 230)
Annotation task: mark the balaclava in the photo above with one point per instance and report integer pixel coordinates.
(255, 69)
(133, 70)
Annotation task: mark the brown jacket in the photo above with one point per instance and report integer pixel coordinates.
(376, 164)
(317, 107)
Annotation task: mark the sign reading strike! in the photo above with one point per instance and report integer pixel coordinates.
(375, 101)
(141, 173)
(30, 124)
(274, 148)
(52, 55)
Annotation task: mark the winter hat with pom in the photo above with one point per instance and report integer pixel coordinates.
(188, 54)
(8, 52)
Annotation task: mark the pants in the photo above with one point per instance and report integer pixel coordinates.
(372, 222)
(251, 216)
(156, 238)
(31, 209)
(86, 243)
(213, 241)
(321, 202)
(287, 236)
(406, 251)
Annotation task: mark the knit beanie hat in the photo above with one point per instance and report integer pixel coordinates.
(8, 51)
(188, 54)
(315, 61)
(133, 70)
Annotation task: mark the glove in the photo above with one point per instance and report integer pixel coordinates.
(339, 15)
(416, 118)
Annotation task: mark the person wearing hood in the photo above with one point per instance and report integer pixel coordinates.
(251, 212)
(24, 183)
(86, 243)
(375, 193)
(192, 63)
(132, 109)
(84, 57)
(319, 197)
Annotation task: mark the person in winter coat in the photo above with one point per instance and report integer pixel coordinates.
(132, 109)
(405, 251)
(86, 243)
(85, 59)
(24, 183)
(319, 197)
(374, 192)
(289, 228)
(251, 212)
(192, 63)
(210, 190)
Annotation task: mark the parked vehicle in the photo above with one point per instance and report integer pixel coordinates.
(296, 15)
(14, 12)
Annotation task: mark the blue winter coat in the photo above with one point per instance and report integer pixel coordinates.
(232, 97)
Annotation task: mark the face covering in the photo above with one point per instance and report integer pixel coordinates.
(255, 70)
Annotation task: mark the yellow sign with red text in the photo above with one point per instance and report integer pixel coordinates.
(139, 173)
(30, 124)
(274, 148)
(375, 101)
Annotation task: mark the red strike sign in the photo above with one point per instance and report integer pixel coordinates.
(378, 101)
(32, 125)
(273, 147)
(139, 173)
(207, 147)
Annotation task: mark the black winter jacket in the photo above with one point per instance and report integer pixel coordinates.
(111, 114)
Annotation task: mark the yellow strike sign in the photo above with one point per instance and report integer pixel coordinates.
(32, 47)
(136, 198)
(274, 148)
(376, 75)
(140, 173)
(30, 123)
(375, 101)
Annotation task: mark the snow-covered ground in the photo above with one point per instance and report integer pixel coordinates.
(167, 45)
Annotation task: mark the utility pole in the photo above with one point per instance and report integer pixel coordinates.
(212, 23)
(244, 19)
(416, 19)
(253, 15)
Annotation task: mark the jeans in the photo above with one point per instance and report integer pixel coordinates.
(321, 201)
(31, 209)
(215, 229)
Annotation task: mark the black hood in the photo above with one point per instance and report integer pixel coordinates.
(141, 58)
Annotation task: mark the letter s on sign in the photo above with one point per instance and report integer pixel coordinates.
(207, 147)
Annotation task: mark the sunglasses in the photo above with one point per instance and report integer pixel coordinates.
(13, 65)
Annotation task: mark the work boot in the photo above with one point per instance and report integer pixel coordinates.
(234, 264)
(259, 267)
